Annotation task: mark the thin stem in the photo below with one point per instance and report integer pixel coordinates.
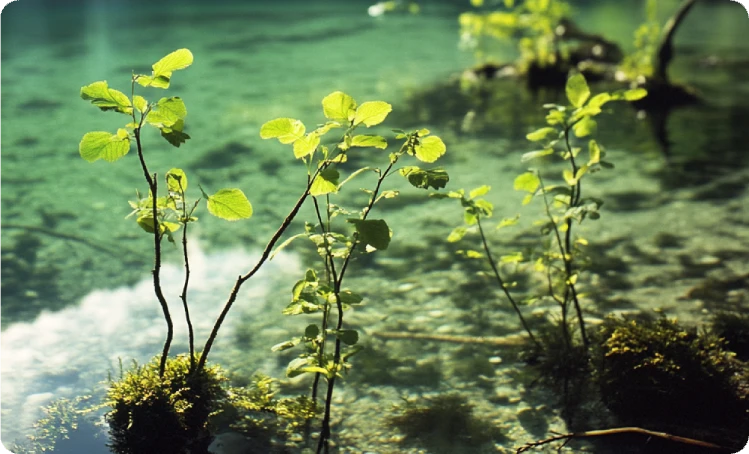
(501, 282)
(323, 442)
(153, 187)
(242, 279)
(183, 296)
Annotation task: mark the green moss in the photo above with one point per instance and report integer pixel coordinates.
(443, 423)
(268, 421)
(660, 375)
(734, 328)
(56, 431)
(168, 414)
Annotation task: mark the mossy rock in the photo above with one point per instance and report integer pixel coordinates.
(659, 375)
(169, 414)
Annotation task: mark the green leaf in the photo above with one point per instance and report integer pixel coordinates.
(541, 134)
(339, 106)
(106, 98)
(162, 69)
(229, 204)
(311, 331)
(173, 134)
(635, 94)
(167, 112)
(348, 336)
(429, 149)
(349, 297)
(506, 222)
(457, 234)
(527, 181)
(281, 246)
(569, 177)
(536, 154)
(140, 103)
(372, 113)
(285, 345)
(478, 192)
(420, 178)
(369, 141)
(584, 127)
(287, 130)
(103, 145)
(373, 232)
(577, 89)
(306, 145)
(555, 117)
(176, 180)
(595, 152)
(597, 101)
(325, 182)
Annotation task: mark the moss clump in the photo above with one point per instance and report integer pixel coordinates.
(443, 423)
(268, 421)
(734, 328)
(662, 376)
(59, 430)
(168, 414)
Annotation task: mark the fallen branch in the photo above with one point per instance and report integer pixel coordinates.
(622, 430)
(509, 340)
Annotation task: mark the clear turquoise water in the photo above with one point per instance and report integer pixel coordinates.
(258, 61)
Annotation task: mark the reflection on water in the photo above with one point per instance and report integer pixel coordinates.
(74, 292)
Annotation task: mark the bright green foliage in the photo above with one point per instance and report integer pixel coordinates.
(561, 260)
(229, 204)
(106, 98)
(529, 23)
(328, 344)
(265, 419)
(168, 116)
(162, 69)
(640, 62)
(103, 145)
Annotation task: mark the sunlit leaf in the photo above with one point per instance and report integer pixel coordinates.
(541, 134)
(325, 182)
(306, 145)
(106, 98)
(457, 234)
(536, 154)
(104, 145)
(430, 149)
(162, 69)
(478, 192)
(369, 141)
(584, 127)
(527, 181)
(287, 130)
(372, 113)
(176, 180)
(577, 89)
(229, 204)
(339, 106)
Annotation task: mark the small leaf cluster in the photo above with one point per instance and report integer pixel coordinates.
(561, 258)
(327, 343)
(168, 116)
(316, 294)
(531, 23)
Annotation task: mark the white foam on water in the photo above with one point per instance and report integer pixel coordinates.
(69, 352)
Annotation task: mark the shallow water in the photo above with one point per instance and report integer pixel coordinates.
(75, 279)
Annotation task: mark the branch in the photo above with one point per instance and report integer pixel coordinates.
(623, 430)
